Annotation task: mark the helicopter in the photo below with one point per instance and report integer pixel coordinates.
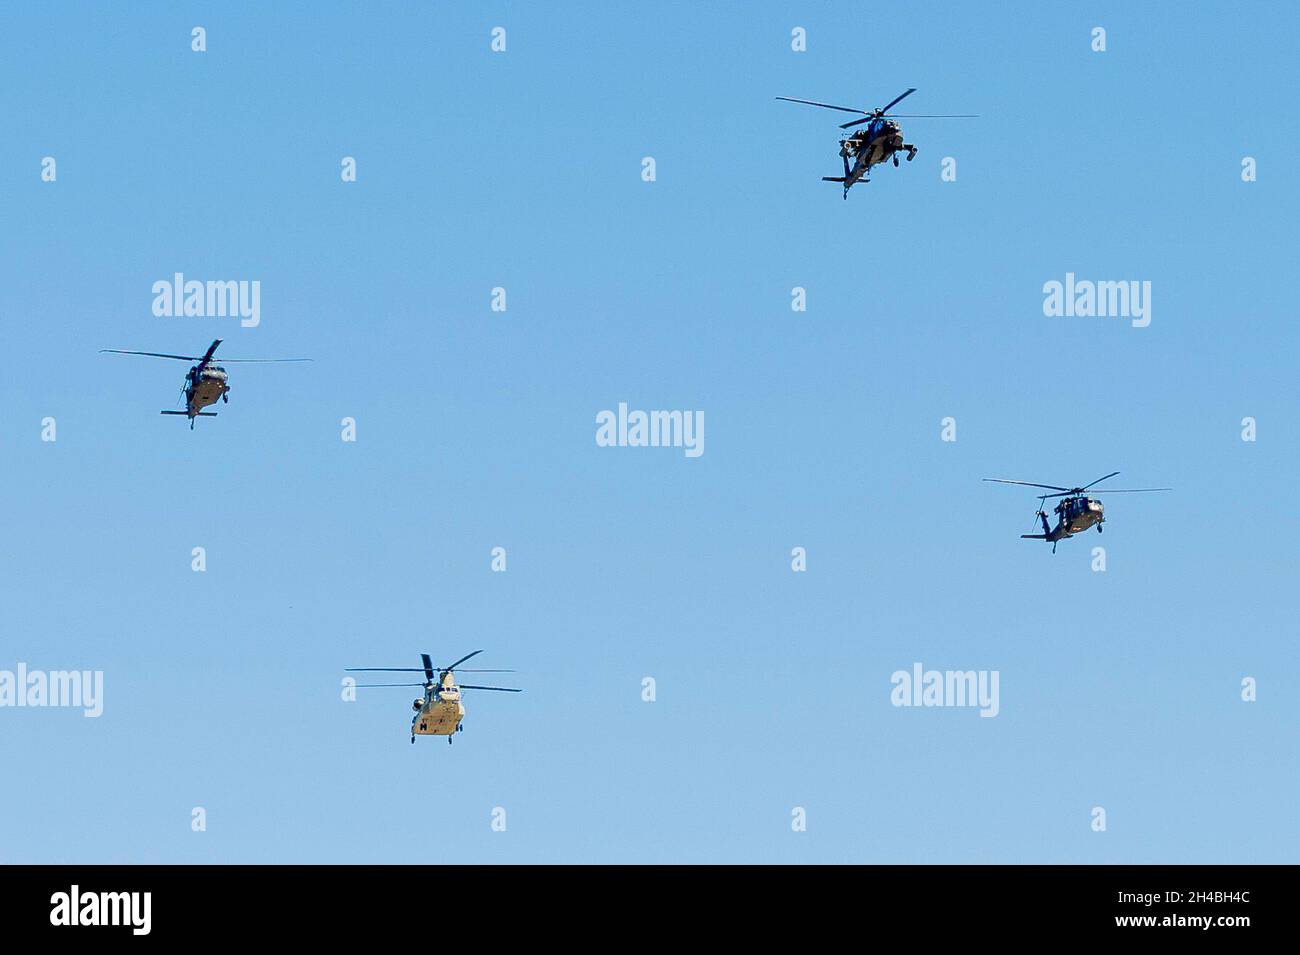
(439, 712)
(1076, 512)
(882, 139)
(204, 383)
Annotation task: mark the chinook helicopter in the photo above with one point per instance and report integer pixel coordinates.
(440, 711)
(882, 139)
(205, 383)
(1077, 511)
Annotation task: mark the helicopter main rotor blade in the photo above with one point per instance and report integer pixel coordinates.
(200, 358)
(859, 122)
(463, 659)
(414, 670)
(1099, 480)
(1121, 490)
(503, 689)
(151, 354)
(1131, 490)
(896, 99)
(428, 666)
(1050, 487)
(371, 685)
(808, 102)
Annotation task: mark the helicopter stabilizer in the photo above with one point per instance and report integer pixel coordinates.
(201, 414)
(832, 178)
(1034, 537)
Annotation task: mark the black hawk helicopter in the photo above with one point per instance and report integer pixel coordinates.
(440, 712)
(204, 383)
(1076, 511)
(882, 138)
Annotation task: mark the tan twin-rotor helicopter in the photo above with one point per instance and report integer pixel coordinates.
(440, 711)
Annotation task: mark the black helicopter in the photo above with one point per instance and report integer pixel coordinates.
(881, 140)
(1076, 511)
(205, 383)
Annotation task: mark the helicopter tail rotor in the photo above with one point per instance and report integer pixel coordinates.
(1040, 515)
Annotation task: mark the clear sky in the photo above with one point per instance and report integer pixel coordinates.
(476, 429)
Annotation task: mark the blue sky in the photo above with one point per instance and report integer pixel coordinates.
(476, 429)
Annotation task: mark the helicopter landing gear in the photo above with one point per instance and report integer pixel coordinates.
(911, 153)
(895, 160)
(225, 397)
(448, 740)
(1098, 528)
(412, 739)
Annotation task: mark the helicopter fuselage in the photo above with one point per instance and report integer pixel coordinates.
(205, 385)
(880, 140)
(439, 713)
(1074, 515)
